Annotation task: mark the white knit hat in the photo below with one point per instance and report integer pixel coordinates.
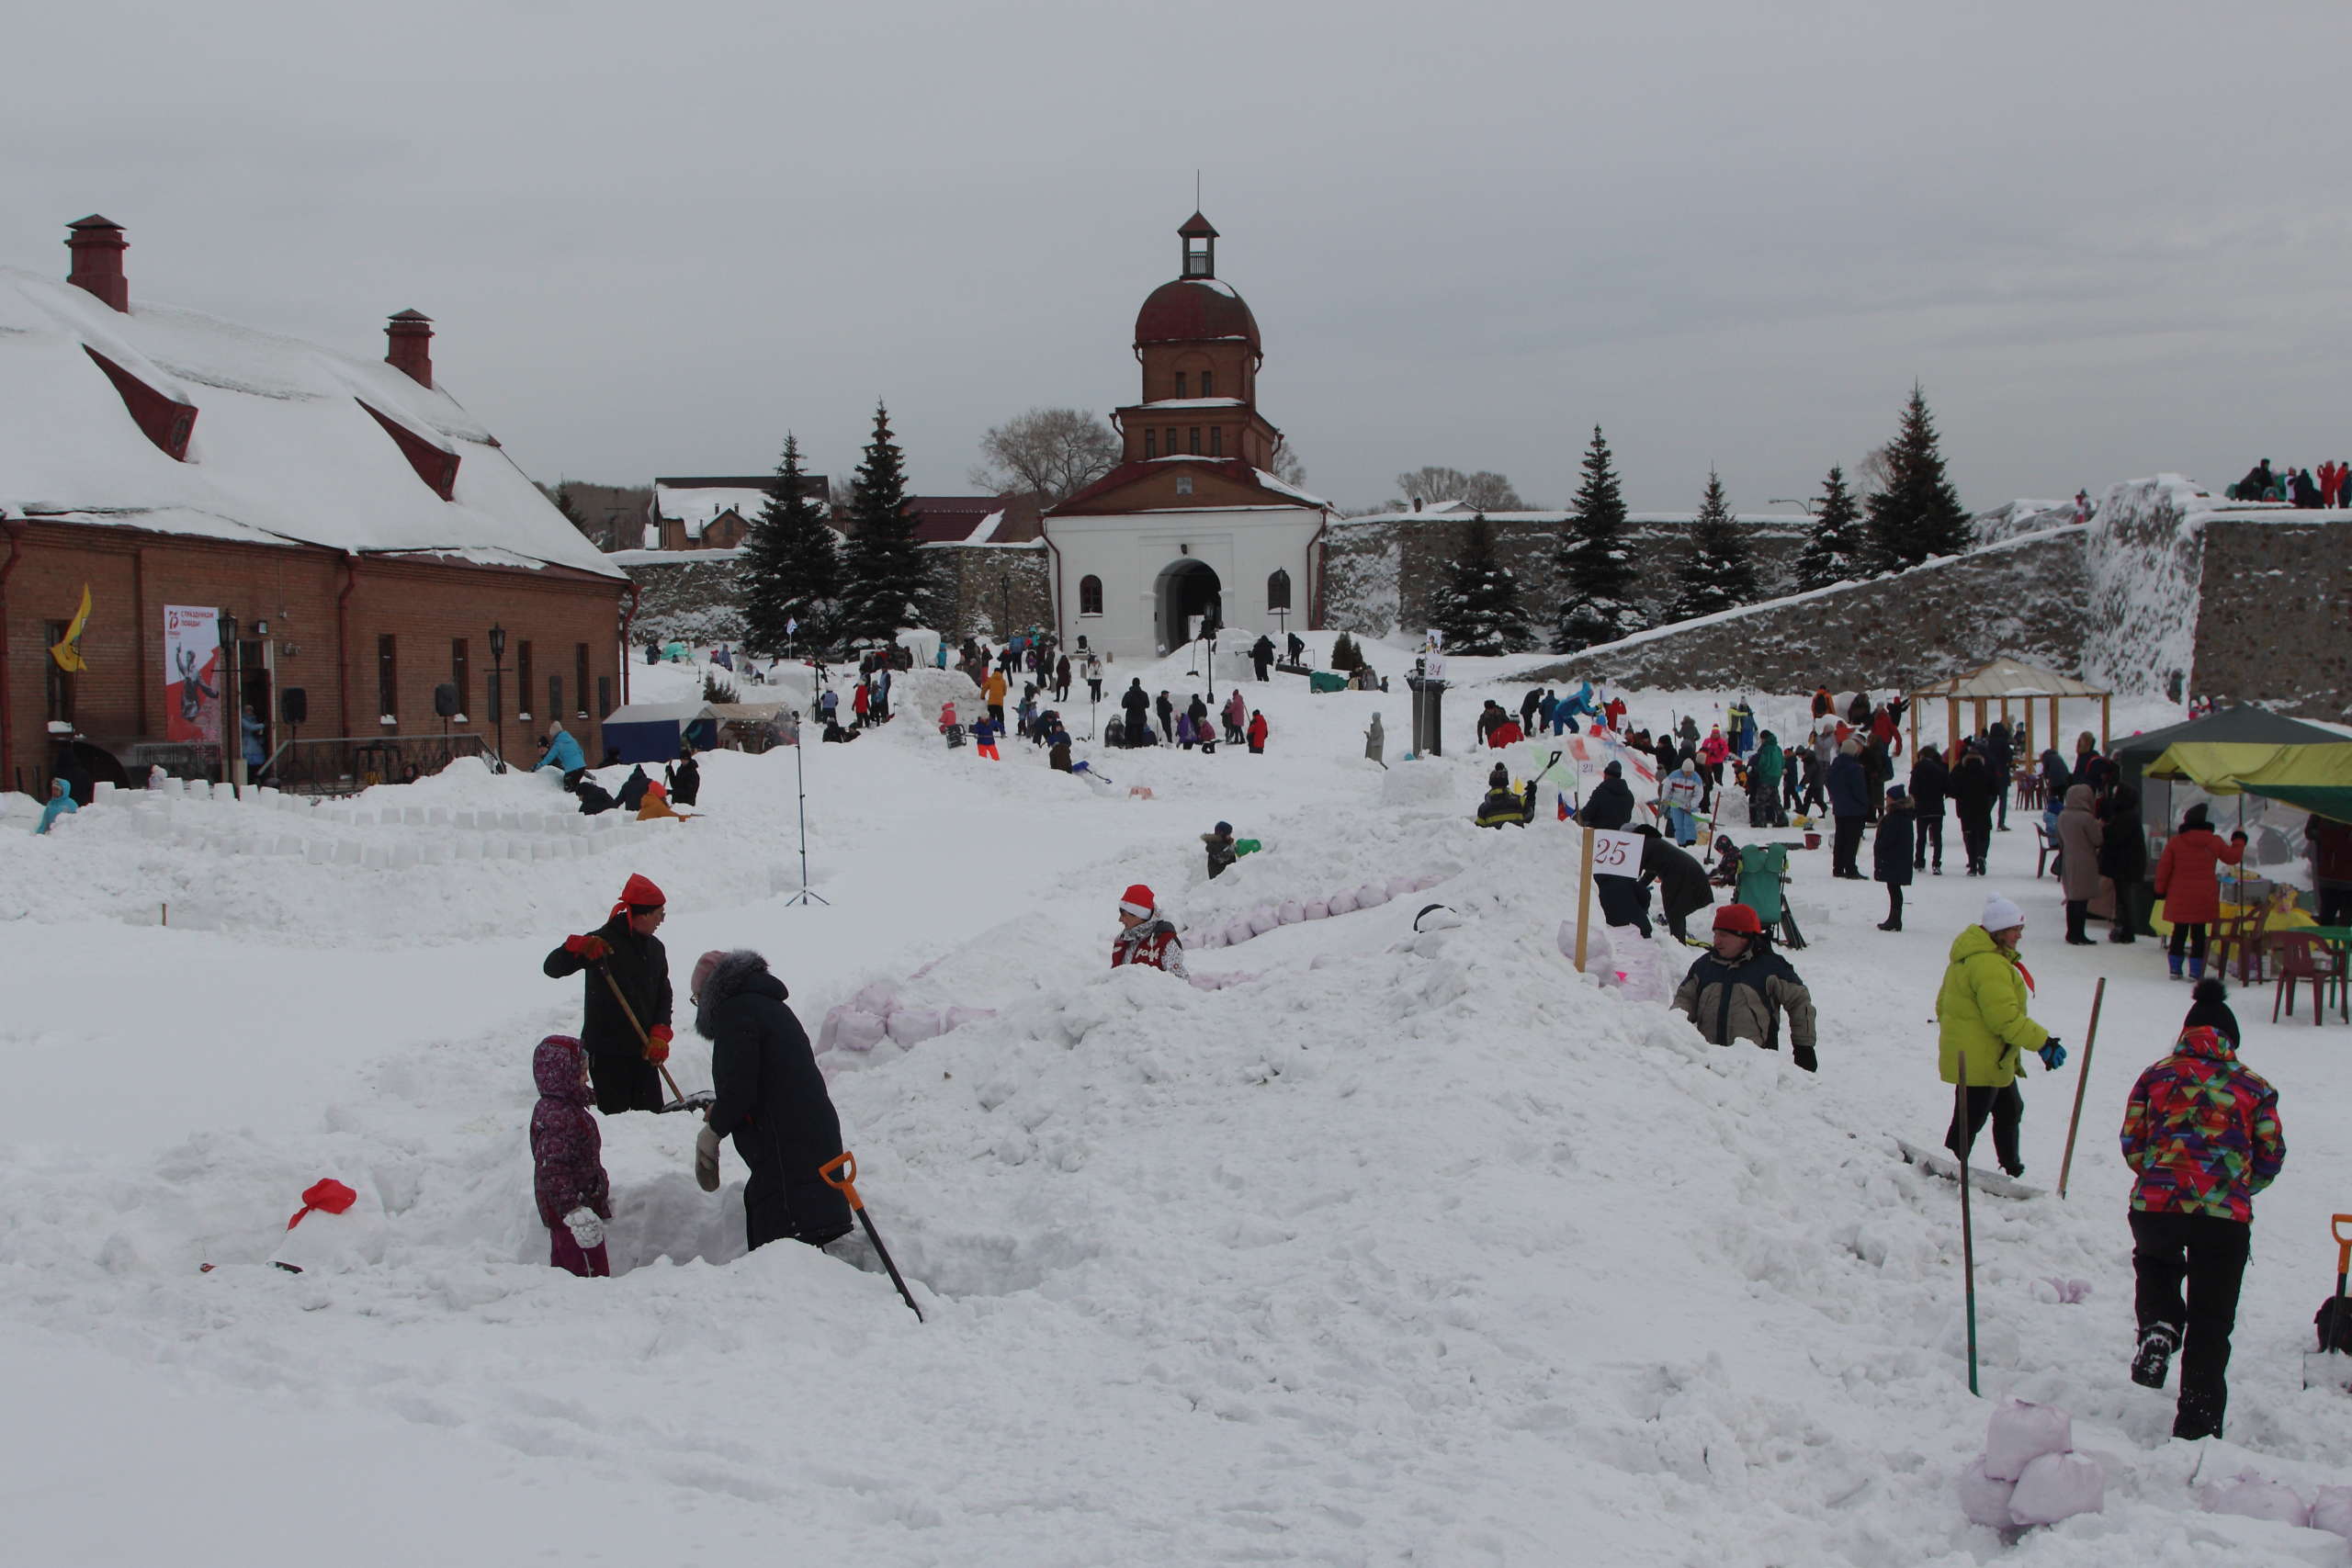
(2000, 913)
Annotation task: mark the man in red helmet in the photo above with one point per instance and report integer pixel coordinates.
(1739, 990)
(622, 1062)
(1146, 936)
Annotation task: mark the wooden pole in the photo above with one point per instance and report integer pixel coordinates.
(2082, 1082)
(1584, 898)
(1967, 1218)
(2105, 720)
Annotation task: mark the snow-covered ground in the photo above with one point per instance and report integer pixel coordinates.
(1388, 1250)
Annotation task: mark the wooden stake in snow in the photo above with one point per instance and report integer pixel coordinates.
(1967, 1220)
(2082, 1082)
(1584, 898)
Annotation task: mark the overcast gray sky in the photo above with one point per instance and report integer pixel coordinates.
(654, 237)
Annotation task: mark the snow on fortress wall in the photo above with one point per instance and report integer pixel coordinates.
(2142, 560)
(2023, 597)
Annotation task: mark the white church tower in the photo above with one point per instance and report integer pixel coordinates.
(1192, 524)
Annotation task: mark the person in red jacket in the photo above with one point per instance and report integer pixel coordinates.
(1146, 936)
(1257, 731)
(2203, 1132)
(2189, 882)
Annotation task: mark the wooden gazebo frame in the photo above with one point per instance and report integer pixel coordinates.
(2005, 682)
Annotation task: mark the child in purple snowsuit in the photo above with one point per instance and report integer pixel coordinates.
(567, 1164)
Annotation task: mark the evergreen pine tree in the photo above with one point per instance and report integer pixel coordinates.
(887, 586)
(1839, 549)
(791, 567)
(1344, 653)
(1715, 574)
(1598, 601)
(573, 515)
(1479, 609)
(1918, 513)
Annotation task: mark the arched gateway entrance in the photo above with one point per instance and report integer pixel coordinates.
(1185, 598)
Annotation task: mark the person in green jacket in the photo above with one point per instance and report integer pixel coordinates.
(1984, 1030)
(1764, 784)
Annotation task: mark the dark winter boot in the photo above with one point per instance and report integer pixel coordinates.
(2150, 1362)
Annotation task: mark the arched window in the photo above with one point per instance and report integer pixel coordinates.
(1278, 592)
(1090, 595)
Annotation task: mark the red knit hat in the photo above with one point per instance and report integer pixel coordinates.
(1137, 901)
(639, 893)
(1738, 917)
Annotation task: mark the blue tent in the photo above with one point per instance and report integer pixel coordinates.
(651, 732)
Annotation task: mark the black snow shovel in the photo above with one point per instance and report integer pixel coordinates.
(846, 1185)
(2330, 1366)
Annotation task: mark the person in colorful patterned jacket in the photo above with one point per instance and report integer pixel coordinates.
(567, 1159)
(2204, 1133)
(1146, 936)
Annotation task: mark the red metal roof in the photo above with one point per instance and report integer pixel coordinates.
(1194, 309)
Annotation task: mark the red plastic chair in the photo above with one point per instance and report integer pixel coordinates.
(2241, 937)
(2303, 956)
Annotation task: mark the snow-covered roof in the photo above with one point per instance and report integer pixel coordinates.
(986, 532)
(698, 506)
(1282, 487)
(674, 558)
(287, 446)
(1448, 511)
(1192, 403)
(2007, 677)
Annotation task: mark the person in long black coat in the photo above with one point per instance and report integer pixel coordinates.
(1974, 788)
(1136, 703)
(771, 1100)
(2123, 860)
(685, 778)
(623, 947)
(1891, 853)
(1931, 782)
(1682, 885)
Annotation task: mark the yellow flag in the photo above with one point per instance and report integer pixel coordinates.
(68, 653)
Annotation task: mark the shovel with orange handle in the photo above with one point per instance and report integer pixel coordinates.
(846, 1185)
(2329, 1367)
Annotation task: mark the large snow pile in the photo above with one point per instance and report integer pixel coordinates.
(1389, 1248)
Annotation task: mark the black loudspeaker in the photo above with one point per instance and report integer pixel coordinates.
(293, 705)
(445, 700)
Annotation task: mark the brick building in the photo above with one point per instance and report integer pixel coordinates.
(366, 534)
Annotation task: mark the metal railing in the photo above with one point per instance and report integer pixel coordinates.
(347, 764)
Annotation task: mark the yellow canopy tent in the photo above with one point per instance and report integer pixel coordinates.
(2316, 778)
(2003, 681)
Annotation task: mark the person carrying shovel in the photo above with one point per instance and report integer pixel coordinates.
(625, 1022)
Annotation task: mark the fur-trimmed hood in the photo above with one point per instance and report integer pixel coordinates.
(739, 972)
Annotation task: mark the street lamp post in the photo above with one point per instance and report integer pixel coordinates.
(233, 713)
(498, 691)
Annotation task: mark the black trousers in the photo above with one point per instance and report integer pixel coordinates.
(2335, 904)
(2127, 912)
(1623, 902)
(1932, 833)
(2001, 799)
(2078, 911)
(2192, 938)
(625, 1083)
(2208, 1255)
(1842, 849)
(1976, 839)
(2006, 1107)
(1894, 903)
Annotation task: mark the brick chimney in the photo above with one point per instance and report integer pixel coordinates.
(411, 352)
(97, 245)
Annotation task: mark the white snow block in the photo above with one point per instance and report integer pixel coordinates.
(1400, 886)
(1262, 919)
(318, 851)
(957, 1016)
(576, 847)
(1237, 931)
(413, 816)
(378, 859)
(1369, 896)
(913, 1026)
(2019, 1433)
(2058, 1486)
(1290, 911)
(1985, 1500)
(1343, 902)
(2255, 1497)
(438, 817)
(1315, 910)
(859, 1031)
(436, 853)
(462, 819)
(348, 852)
(876, 998)
(2331, 1511)
(289, 844)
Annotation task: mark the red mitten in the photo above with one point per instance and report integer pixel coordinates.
(657, 1044)
(591, 948)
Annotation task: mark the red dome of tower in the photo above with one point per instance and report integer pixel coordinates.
(1194, 309)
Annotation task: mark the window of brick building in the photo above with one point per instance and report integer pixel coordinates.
(1278, 590)
(580, 675)
(523, 680)
(1090, 595)
(1216, 441)
(554, 697)
(1179, 383)
(604, 696)
(1208, 380)
(1151, 443)
(58, 682)
(457, 676)
(388, 676)
(1196, 441)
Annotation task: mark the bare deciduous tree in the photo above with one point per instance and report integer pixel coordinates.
(1484, 490)
(1286, 466)
(1875, 473)
(1054, 453)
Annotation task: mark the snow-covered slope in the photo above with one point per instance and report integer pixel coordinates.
(1391, 1248)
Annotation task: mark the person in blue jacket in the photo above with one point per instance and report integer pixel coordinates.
(563, 753)
(61, 804)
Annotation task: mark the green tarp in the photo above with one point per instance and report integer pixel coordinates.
(2316, 778)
